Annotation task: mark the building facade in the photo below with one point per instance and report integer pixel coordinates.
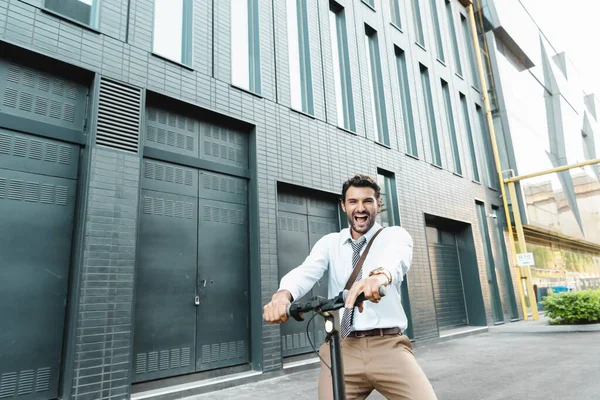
(164, 163)
(547, 118)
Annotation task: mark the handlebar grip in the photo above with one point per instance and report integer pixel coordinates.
(361, 297)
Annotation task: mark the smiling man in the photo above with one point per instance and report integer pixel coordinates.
(375, 353)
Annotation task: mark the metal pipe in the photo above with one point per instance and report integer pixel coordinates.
(495, 151)
(553, 170)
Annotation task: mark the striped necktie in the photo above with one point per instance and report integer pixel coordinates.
(348, 314)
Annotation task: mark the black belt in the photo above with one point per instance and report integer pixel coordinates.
(376, 332)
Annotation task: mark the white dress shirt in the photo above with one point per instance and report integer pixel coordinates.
(391, 250)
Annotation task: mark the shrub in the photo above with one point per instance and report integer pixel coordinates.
(573, 307)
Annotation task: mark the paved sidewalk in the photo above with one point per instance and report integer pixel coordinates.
(530, 366)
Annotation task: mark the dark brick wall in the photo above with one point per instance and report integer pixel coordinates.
(290, 147)
(104, 318)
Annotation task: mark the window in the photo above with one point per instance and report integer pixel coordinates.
(370, 3)
(389, 212)
(469, 44)
(406, 104)
(430, 117)
(451, 127)
(418, 22)
(299, 57)
(245, 50)
(84, 11)
(395, 11)
(439, 45)
(487, 143)
(341, 68)
(172, 37)
(453, 38)
(376, 87)
(465, 107)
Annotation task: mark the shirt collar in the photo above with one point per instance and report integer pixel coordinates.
(345, 235)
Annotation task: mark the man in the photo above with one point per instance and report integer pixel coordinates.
(375, 353)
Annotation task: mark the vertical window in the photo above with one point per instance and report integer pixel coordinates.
(172, 36)
(395, 11)
(453, 37)
(376, 86)
(341, 67)
(245, 50)
(470, 53)
(430, 117)
(389, 212)
(487, 143)
(418, 22)
(406, 103)
(439, 45)
(451, 126)
(465, 109)
(299, 56)
(84, 11)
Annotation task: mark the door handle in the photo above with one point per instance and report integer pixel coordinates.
(197, 300)
(203, 283)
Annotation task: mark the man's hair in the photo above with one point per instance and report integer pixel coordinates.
(361, 180)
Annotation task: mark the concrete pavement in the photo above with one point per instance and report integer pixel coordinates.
(532, 366)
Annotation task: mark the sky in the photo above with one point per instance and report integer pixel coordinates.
(574, 27)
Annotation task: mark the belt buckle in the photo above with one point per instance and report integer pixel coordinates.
(359, 334)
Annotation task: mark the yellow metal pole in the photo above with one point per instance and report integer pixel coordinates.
(553, 170)
(496, 153)
(523, 249)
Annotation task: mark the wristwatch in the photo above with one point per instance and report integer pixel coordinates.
(382, 271)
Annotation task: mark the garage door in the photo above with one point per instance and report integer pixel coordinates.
(38, 179)
(447, 279)
(303, 219)
(192, 290)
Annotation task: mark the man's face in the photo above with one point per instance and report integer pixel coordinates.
(362, 208)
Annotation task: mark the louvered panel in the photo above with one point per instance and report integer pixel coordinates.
(119, 112)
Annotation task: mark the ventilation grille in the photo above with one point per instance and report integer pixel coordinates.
(35, 149)
(40, 96)
(292, 224)
(223, 352)
(223, 215)
(164, 360)
(33, 192)
(118, 116)
(25, 382)
(168, 208)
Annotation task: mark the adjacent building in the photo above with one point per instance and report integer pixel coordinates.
(547, 118)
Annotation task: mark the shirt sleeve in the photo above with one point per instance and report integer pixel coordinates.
(397, 253)
(300, 280)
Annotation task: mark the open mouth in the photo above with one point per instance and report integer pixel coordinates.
(361, 219)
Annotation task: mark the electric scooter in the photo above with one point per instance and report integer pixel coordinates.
(325, 308)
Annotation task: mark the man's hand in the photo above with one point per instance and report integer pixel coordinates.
(370, 287)
(276, 311)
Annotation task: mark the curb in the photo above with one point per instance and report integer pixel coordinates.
(545, 328)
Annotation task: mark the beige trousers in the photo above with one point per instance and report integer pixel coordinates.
(384, 363)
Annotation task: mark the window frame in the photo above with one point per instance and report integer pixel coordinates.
(410, 133)
(187, 34)
(341, 59)
(304, 59)
(437, 30)
(389, 188)
(254, 84)
(447, 97)
(470, 138)
(434, 141)
(454, 38)
(376, 85)
(94, 24)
